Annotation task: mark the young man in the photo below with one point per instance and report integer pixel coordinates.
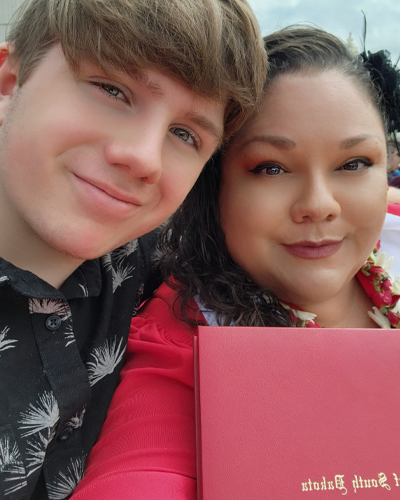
(109, 110)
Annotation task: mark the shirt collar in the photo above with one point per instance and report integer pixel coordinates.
(83, 282)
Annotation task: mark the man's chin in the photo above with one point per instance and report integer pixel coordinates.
(82, 248)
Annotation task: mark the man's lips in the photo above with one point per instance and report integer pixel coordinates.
(104, 201)
(312, 249)
(111, 191)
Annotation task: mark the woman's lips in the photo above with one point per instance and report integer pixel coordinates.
(312, 250)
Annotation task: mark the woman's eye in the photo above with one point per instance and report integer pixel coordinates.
(111, 90)
(185, 135)
(356, 165)
(268, 169)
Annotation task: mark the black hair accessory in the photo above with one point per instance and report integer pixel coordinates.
(386, 77)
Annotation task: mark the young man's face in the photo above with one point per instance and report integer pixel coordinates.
(88, 163)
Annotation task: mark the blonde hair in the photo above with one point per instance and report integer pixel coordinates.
(213, 46)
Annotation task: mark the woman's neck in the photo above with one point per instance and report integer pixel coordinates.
(347, 309)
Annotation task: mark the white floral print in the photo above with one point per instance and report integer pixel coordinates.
(69, 335)
(6, 344)
(11, 466)
(85, 290)
(107, 262)
(120, 274)
(36, 451)
(65, 484)
(106, 358)
(122, 253)
(44, 415)
(48, 306)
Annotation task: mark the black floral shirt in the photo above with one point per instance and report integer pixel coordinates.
(60, 356)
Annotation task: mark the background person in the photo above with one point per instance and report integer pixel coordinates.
(393, 162)
(393, 166)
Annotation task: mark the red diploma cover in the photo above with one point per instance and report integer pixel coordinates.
(297, 413)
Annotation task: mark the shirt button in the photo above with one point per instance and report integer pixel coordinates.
(53, 322)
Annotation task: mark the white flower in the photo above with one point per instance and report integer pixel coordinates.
(379, 318)
(306, 316)
(372, 257)
(395, 288)
(383, 263)
(302, 315)
(396, 308)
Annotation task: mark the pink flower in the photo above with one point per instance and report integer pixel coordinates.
(311, 324)
(394, 319)
(376, 272)
(386, 285)
(367, 283)
(382, 298)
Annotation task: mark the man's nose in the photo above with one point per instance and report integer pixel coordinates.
(138, 151)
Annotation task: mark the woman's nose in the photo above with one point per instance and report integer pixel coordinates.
(316, 201)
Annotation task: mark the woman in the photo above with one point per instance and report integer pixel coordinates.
(279, 230)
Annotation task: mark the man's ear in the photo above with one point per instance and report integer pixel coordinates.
(8, 78)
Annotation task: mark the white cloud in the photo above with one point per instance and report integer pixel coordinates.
(340, 18)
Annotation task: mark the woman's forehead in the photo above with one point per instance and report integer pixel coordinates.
(325, 102)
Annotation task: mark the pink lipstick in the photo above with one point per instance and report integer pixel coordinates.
(314, 250)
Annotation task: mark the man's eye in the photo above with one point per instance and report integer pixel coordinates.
(268, 169)
(185, 135)
(111, 90)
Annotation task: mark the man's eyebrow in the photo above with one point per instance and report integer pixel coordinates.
(353, 141)
(150, 85)
(139, 76)
(206, 125)
(273, 140)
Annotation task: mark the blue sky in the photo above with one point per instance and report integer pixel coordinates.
(339, 17)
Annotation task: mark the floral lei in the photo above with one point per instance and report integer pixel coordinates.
(375, 280)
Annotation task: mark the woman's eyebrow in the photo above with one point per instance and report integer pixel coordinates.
(273, 140)
(353, 141)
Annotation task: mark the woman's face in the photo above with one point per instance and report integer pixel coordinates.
(304, 191)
